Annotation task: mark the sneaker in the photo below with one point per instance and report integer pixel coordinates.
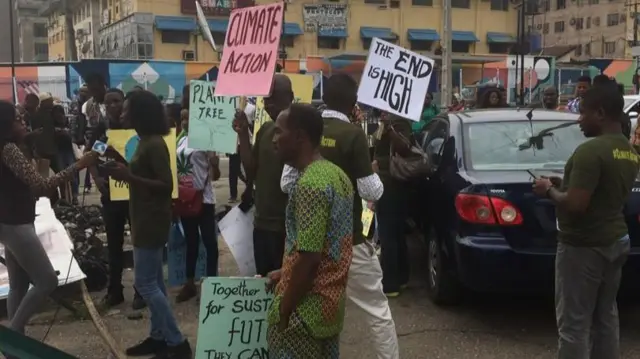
(87, 190)
(181, 351)
(113, 299)
(187, 292)
(138, 302)
(146, 347)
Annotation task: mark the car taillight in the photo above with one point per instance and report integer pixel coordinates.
(482, 209)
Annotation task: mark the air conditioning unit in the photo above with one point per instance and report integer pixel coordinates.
(394, 4)
(188, 55)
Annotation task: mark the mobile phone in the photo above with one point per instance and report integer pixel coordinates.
(532, 174)
(99, 147)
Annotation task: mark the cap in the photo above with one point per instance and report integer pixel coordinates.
(43, 96)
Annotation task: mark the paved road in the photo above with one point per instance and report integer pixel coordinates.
(485, 327)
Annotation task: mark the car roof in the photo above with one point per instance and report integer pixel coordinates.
(513, 114)
(631, 97)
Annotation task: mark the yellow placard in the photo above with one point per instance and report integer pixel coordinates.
(302, 86)
(126, 142)
(366, 218)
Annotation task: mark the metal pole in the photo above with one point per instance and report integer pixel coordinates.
(445, 71)
(522, 52)
(13, 53)
(635, 24)
(283, 47)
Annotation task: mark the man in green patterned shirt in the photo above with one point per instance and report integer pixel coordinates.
(307, 316)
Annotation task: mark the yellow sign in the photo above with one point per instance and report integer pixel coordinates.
(126, 143)
(366, 218)
(302, 86)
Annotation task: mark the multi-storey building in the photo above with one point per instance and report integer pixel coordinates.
(167, 29)
(595, 28)
(29, 31)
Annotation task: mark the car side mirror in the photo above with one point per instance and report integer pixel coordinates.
(633, 114)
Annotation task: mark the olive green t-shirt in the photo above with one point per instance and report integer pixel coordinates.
(150, 209)
(345, 144)
(606, 166)
(270, 201)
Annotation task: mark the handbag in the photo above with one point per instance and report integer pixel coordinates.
(416, 165)
(190, 200)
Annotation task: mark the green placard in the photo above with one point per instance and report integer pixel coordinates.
(211, 119)
(233, 318)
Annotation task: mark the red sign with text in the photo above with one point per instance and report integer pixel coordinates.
(250, 51)
(214, 7)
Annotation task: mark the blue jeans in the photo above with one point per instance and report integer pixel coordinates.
(149, 281)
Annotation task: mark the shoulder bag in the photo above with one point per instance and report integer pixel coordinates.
(414, 166)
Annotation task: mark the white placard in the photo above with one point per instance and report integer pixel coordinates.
(204, 26)
(236, 229)
(56, 243)
(395, 80)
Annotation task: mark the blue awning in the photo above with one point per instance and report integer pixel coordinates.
(466, 36)
(500, 38)
(423, 35)
(383, 33)
(218, 25)
(341, 33)
(292, 29)
(176, 23)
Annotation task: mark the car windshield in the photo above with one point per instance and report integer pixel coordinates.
(628, 102)
(507, 145)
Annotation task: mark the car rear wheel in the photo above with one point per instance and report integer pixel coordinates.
(443, 287)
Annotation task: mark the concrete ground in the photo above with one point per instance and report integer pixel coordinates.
(485, 327)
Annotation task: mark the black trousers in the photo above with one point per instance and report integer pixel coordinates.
(268, 249)
(201, 227)
(116, 215)
(391, 213)
(235, 172)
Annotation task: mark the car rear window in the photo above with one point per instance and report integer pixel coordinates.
(506, 145)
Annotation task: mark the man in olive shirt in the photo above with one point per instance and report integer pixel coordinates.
(346, 145)
(263, 167)
(593, 240)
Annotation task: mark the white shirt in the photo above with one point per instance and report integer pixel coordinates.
(370, 188)
(193, 167)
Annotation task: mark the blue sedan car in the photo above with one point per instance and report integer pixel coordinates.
(488, 232)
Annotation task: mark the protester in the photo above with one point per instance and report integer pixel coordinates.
(264, 168)
(429, 110)
(307, 315)
(94, 112)
(78, 125)
(173, 114)
(31, 103)
(492, 98)
(457, 104)
(64, 145)
(345, 145)
(194, 171)
(45, 147)
(593, 240)
(20, 184)
(235, 173)
(150, 185)
(583, 84)
(550, 98)
(392, 208)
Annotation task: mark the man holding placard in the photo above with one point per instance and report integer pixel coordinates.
(263, 167)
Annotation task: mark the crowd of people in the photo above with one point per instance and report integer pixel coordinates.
(307, 172)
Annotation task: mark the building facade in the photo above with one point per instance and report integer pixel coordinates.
(596, 28)
(31, 31)
(167, 30)
(5, 35)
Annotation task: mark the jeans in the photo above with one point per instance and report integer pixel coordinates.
(87, 180)
(149, 281)
(116, 215)
(197, 228)
(587, 283)
(66, 159)
(235, 172)
(364, 289)
(268, 249)
(391, 214)
(27, 262)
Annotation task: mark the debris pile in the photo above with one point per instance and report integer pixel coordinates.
(84, 224)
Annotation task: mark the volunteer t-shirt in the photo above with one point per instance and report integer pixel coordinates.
(345, 144)
(607, 166)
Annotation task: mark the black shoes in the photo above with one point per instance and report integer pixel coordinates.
(147, 347)
(113, 299)
(181, 351)
(187, 292)
(138, 302)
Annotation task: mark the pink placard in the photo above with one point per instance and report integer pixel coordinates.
(250, 51)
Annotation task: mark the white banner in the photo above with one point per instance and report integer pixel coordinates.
(395, 80)
(56, 243)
